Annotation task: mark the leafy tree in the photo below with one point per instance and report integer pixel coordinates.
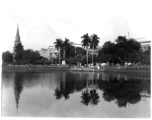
(108, 47)
(86, 43)
(18, 52)
(120, 51)
(94, 43)
(18, 56)
(19, 47)
(7, 57)
(58, 45)
(30, 57)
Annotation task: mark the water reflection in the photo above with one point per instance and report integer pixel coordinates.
(18, 87)
(122, 89)
(90, 97)
(86, 98)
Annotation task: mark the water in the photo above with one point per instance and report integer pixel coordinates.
(75, 94)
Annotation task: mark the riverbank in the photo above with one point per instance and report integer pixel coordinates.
(80, 69)
(36, 67)
(127, 71)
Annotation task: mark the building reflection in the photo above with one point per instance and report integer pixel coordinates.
(18, 87)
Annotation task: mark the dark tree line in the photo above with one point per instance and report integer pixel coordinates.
(122, 50)
(22, 57)
(7, 57)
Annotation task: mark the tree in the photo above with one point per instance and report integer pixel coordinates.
(66, 45)
(120, 51)
(18, 52)
(86, 43)
(58, 45)
(18, 56)
(19, 47)
(30, 57)
(7, 57)
(94, 43)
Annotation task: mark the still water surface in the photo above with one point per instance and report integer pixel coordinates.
(75, 94)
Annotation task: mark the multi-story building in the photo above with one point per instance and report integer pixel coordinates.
(50, 53)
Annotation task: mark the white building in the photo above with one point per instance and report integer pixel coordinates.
(145, 45)
(50, 53)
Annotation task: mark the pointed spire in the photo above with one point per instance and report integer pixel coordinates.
(17, 34)
(128, 35)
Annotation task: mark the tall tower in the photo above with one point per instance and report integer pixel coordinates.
(17, 38)
(16, 42)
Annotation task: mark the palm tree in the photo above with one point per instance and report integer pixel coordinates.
(58, 45)
(66, 44)
(86, 43)
(85, 98)
(94, 43)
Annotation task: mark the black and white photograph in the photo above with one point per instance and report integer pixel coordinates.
(75, 58)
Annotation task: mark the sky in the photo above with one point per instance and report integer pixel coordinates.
(41, 22)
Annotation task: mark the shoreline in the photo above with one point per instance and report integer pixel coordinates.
(68, 68)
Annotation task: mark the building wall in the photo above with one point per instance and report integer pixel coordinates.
(145, 45)
(50, 53)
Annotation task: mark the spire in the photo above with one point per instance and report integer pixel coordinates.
(17, 33)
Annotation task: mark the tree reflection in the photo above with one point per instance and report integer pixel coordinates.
(58, 93)
(94, 97)
(86, 98)
(65, 88)
(108, 96)
(66, 93)
(90, 97)
(120, 89)
(123, 91)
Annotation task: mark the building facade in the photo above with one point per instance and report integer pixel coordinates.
(50, 53)
(145, 45)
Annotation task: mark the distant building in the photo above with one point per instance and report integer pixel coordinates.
(145, 45)
(50, 53)
(95, 50)
(16, 42)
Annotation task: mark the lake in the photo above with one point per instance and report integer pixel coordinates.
(37, 93)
